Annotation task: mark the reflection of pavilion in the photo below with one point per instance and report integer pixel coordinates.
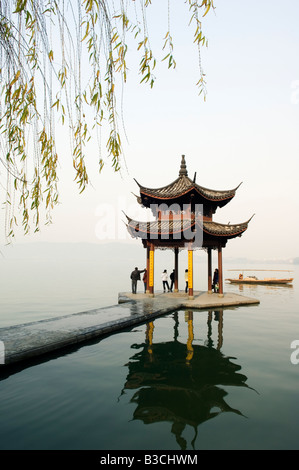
(182, 383)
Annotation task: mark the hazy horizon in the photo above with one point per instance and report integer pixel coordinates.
(117, 247)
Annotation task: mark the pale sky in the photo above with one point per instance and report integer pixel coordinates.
(246, 131)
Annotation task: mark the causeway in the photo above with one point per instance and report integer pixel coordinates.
(30, 340)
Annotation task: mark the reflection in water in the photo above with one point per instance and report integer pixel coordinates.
(182, 383)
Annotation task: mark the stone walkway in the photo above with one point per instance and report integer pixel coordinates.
(29, 340)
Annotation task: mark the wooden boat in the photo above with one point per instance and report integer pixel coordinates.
(254, 280)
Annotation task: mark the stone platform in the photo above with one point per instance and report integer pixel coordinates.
(31, 340)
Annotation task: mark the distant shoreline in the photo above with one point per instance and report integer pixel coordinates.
(84, 248)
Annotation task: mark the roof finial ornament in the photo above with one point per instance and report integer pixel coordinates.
(183, 169)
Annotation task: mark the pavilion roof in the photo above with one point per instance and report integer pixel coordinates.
(183, 185)
(177, 226)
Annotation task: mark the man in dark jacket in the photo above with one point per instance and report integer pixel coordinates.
(215, 284)
(172, 276)
(135, 276)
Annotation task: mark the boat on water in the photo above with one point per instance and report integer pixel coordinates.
(252, 279)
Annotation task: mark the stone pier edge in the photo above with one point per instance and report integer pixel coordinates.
(89, 334)
(110, 327)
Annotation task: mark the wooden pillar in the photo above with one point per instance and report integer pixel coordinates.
(209, 270)
(190, 273)
(176, 268)
(220, 274)
(147, 267)
(151, 270)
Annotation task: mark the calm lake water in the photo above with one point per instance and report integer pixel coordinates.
(189, 380)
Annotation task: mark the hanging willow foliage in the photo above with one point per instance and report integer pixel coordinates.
(47, 49)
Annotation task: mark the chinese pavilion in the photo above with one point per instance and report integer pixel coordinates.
(183, 219)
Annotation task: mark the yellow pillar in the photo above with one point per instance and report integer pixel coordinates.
(190, 273)
(151, 270)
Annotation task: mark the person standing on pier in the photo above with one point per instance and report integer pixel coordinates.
(215, 285)
(145, 280)
(165, 281)
(172, 276)
(135, 276)
(186, 280)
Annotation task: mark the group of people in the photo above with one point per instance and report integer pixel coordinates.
(135, 277)
(215, 285)
(165, 284)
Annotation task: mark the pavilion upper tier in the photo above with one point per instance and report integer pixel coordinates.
(185, 191)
